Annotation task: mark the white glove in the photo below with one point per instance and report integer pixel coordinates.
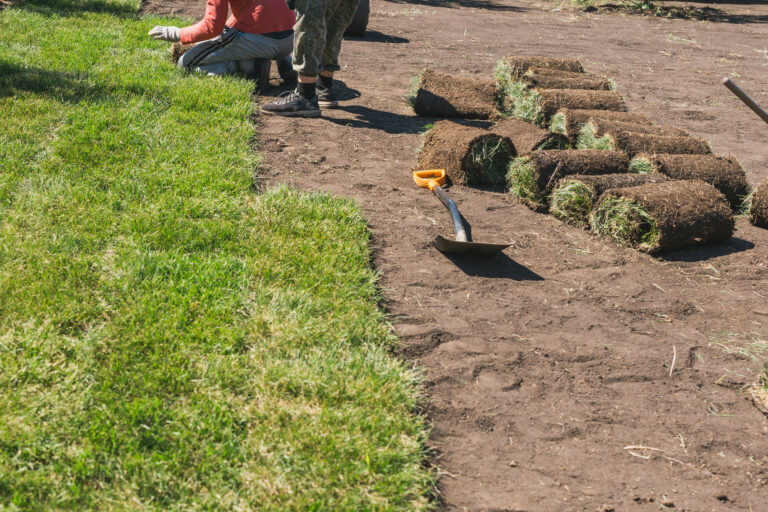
(165, 33)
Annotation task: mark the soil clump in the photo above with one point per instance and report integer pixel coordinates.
(469, 155)
(449, 95)
(658, 217)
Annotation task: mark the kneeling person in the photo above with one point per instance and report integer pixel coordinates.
(257, 32)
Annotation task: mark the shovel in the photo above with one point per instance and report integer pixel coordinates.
(432, 179)
(735, 89)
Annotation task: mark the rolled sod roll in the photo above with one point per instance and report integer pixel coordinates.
(178, 49)
(570, 121)
(448, 95)
(469, 155)
(758, 210)
(531, 177)
(527, 137)
(566, 81)
(657, 217)
(602, 126)
(725, 174)
(634, 144)
(515, 66)
(553, 100)
(575, 196)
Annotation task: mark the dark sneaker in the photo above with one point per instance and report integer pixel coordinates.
(290, 104)
(285, 68)
(326, 98)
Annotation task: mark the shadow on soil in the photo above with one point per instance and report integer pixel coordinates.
(498, 266)
(374, 36)
(388, 122)
(706, 252)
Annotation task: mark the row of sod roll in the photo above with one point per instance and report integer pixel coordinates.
(563, 141)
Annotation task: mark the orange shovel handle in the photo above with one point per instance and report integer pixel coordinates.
(429, 178)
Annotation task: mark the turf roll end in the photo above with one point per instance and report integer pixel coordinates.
(574, 197)
(178, 49)
(758, 209)
(469, 155)
(589, 139)
(658, 217)
(724, 173)
(532, 178)
(448, 95)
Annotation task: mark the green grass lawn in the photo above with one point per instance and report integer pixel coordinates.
(171, 339)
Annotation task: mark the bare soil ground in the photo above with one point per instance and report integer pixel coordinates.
(549, 372)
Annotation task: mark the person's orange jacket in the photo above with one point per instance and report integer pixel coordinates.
(252, 16)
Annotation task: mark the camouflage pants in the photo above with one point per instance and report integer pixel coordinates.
(319, 29)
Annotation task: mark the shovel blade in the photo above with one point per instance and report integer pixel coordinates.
(454, 246)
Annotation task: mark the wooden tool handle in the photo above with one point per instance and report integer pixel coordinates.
(735, 89)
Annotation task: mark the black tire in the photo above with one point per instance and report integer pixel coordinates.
(360, 20)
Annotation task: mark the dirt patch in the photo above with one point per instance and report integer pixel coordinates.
(527, 137)
(574, 197)
(447, 95)
(555, 356)
(658, 217)
(724, 173)
(532, 177)
(758, 210)
(570, 122)
(554, 100)
(469, 155)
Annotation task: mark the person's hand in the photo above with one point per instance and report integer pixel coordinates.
(165, 33)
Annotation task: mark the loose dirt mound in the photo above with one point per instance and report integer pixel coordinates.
(532, 177)
(449, 95)
(574, 197)
(469, 155)
(659, 217)
(554, 100)
(527, 137)
(725, 174)
(758, 210)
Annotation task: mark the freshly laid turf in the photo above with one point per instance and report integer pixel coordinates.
(169, 338)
